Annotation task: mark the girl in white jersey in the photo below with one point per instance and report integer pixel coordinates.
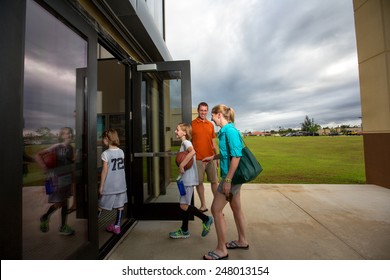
(112, 189)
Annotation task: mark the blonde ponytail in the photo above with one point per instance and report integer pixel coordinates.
(227, 112)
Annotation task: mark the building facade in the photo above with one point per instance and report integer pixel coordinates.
(372, 25)
(70, 69)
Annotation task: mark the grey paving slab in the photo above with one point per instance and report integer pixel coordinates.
(285, 222)
(359, 215)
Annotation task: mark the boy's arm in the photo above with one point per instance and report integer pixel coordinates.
(189, 156)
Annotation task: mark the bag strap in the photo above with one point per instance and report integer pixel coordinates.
(242, 139)
(227, 142)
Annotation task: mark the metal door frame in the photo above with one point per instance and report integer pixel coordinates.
(154, 211)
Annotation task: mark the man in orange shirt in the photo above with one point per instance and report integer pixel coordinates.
(203, 140)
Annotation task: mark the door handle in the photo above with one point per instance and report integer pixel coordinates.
(156, 154)
(143, 154)
(165, 154)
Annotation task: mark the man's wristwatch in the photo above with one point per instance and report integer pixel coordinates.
(228, 180)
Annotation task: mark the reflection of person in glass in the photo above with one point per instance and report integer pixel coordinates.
(57, 161)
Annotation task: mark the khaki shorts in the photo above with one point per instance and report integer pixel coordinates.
(210, 169)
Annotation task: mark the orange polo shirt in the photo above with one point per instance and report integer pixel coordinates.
(202, 138)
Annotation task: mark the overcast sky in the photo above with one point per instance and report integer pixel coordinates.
(53, 52)
(273, 61)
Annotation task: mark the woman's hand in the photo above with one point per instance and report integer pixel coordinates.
(226, 188)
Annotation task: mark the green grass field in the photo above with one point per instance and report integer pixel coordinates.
(287, 160)
(309, 160)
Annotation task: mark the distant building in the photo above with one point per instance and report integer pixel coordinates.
(258, 133)
(339, 130)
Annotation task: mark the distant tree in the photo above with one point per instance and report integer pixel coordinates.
(43, 131)
(309, 125)
(333, 130)
(344, 128)
(285, 130)
(45, 135)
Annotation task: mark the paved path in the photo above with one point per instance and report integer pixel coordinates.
(285, 222)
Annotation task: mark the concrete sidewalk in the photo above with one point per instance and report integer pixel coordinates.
(284, 222)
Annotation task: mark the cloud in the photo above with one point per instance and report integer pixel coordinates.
(274, 62)
(50, 70)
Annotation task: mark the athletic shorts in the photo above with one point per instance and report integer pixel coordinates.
(186, 199)
(63, 187)
(210, 169)
(113, 201)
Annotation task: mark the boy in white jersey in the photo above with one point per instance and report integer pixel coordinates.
(190, 179)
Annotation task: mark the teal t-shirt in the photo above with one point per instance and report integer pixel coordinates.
(230, 145)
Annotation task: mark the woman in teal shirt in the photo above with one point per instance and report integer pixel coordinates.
(230, 147)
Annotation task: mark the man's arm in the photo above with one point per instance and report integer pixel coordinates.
(215, 146)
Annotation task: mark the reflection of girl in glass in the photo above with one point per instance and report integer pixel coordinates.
(57, 162)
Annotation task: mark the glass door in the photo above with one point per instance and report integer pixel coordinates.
(162, 99)
(55, 222)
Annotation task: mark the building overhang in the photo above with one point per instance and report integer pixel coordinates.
(135, 17)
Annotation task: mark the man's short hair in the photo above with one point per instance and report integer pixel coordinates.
(203, 104)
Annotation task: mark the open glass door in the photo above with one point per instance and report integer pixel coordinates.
(161, 100)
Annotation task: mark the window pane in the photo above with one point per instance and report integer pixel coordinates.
(54, 87)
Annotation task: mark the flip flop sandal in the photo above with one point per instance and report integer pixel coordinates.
(234, 245)
(215, 256)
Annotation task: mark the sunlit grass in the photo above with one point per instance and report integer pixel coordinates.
(309, 160)
(285, 160)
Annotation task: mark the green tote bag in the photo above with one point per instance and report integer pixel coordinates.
(248, 168)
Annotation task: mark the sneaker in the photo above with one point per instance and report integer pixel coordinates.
(44, 226)
(66, 230)
(114, 229)
(206, 226)
(179, 234)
